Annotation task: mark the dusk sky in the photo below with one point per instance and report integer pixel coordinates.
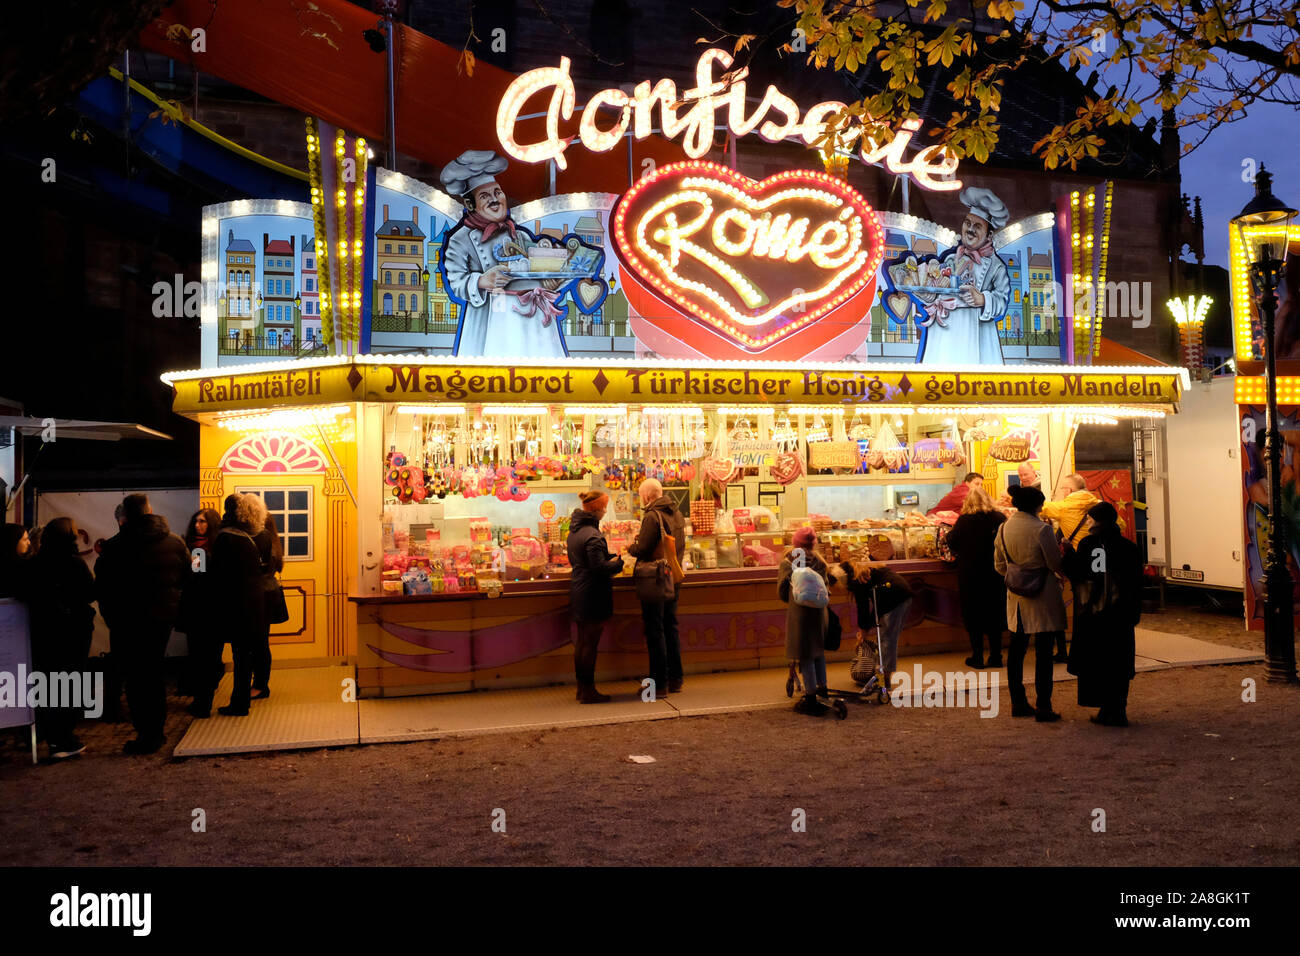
(1268, 134)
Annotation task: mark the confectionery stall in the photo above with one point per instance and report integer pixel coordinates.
(446, 489)
(777, 353)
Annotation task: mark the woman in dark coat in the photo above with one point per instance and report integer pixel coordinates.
(236, 569)
(1107, 574)
(60, 595)
(591, 601)
(198, 612)
(982, 590)
(805, 627)
(271, 552)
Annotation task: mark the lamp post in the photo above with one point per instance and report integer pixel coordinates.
(425, 311)
(1263, 230)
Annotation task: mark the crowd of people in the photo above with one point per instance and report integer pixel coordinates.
(218, 584)
(1011, 573)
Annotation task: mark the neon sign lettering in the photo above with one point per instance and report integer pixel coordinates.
(694, 117)
(757, 262)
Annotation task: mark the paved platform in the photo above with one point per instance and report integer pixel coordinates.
(306, 707)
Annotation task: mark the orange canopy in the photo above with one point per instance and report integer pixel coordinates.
(1112, 353)
(312, 56)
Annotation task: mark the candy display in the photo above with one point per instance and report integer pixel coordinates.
(499, 458)
(703, 515)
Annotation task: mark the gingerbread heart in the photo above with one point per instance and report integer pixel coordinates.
(787, 467)
(721, 470)
(589, 292)
(900, 304)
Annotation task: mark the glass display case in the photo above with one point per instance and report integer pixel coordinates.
(479, 496)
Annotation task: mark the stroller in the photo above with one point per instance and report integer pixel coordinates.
(864, 671)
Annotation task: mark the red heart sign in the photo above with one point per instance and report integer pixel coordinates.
(721, 470)
(769, 268)
(787, 467)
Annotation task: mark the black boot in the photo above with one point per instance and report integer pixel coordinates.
(995, 651)
(588, 694)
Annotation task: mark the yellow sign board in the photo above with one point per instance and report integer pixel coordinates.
(652, 385)
(615, 384)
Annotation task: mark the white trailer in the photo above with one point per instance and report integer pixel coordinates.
(1192, 471)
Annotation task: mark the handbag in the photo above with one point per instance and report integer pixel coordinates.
(834, 631)
(1023, 582)
(656, 580)
(277, 611)
(864, 662)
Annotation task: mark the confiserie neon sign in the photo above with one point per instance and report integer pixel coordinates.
(757, 262)
(693, 116)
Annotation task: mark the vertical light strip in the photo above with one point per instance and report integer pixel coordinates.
(323, 251)
(1076, 248)
(1104, 240)
(358, 239)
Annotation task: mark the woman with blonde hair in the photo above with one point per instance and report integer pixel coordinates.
(236, 569)
(982, 590)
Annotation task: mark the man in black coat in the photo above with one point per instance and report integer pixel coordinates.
(138, 580)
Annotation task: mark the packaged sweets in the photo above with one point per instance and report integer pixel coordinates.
(703, 514)
(416, 581)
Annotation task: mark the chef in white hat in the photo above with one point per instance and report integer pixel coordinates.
(962, 328)
(501, 314)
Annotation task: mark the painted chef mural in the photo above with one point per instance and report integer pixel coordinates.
(509, 283)
(957, 298)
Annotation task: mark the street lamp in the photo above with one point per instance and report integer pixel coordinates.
(1263, 230)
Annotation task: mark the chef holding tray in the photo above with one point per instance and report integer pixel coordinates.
(962, 325)
(503, 276)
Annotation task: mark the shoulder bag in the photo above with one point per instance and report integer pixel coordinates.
(834, 631)
(656, 580)
(1023, 582)
(277, 611)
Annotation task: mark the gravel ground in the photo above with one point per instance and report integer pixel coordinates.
(1200, 777)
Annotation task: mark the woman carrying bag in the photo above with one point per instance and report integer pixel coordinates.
(803, 583)
(1026, 554)
(660, 546)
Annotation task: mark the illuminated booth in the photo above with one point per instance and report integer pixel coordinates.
(777, 354)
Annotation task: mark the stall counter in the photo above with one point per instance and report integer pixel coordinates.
(728, 619)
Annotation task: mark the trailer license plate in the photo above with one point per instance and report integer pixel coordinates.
(1179, 574)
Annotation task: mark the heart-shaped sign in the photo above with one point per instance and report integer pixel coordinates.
(787, 467)
(900, 303)
(721, 470)
(589, 292)
(762, 266)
